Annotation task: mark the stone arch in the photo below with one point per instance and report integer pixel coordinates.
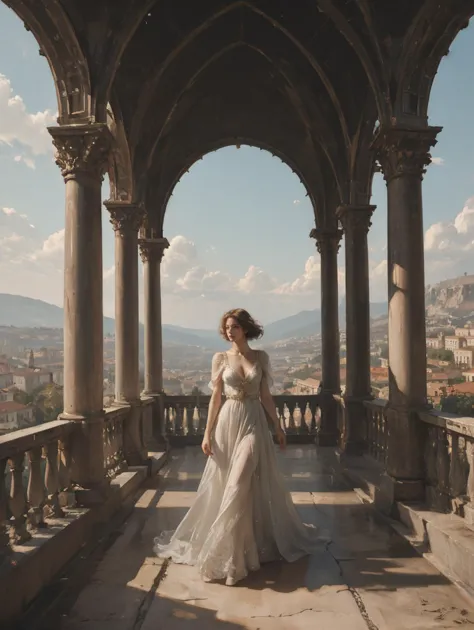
(158, 194)
(57, 40)
(120, 165)
(428, 41)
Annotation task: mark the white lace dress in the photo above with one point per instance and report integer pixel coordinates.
(243, 514)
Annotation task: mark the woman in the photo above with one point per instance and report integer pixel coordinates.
(243, 514)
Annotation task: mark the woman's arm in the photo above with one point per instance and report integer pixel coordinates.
(214, 403)
(214, 406)
(269, 406)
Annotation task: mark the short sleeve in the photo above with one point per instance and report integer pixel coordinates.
(218, 363)
(266, 368)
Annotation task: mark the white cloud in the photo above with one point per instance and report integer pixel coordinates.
(18, 126)
(256, 281)
(29, 162)
(437, 161)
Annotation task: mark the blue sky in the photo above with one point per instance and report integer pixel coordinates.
(238, 222)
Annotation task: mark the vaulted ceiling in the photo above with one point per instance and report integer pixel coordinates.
(305, 79)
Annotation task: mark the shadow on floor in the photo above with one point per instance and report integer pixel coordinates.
(111, 587)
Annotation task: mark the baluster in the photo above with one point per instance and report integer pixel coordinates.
(178, 421)
(35, 491)
(289, 420)
(469, 507)
(195, 419)
(5, 548)
(18, 532)
(184, 421)
(309, 419)
(202, 420)
(106, 434)
(384, 437)
(53, 508)
(67, 496)
(458, 473)
(297, 417)
(168, 420)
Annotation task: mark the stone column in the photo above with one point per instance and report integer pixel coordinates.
(82, 154)
(126, 219)
(327, 242)
(152, 251)
(404, 155)
(356, 222)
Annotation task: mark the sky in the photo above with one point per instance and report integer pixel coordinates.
(238, 222)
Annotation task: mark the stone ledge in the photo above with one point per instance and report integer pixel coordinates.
(156, 461)
(445, 540)
(33, 566)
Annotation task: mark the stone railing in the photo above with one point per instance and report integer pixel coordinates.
(449, 463)
(113, 432)
(376, 434)
(185, 417)
(36, 466)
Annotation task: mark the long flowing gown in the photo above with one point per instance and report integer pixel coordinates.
(243, 514)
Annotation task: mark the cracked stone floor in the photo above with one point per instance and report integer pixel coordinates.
(368, 578)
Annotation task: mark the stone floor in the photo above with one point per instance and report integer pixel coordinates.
(369, 577)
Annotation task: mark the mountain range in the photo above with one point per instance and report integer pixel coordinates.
(23, 312)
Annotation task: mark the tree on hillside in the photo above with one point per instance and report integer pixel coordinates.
(440, 354)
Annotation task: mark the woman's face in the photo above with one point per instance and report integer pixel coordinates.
(234, 330)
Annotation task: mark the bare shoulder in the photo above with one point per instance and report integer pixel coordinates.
(218, 357)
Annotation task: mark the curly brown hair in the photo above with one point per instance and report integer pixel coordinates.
(250, 326)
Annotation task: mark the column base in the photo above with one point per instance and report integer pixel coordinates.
(403, 489)
(353, 436)
(328, 434)
(158, 440)
(87, 453)
(95, 494)
(405, 473)
(133, 440)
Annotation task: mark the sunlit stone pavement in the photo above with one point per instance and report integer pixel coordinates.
(368, 578)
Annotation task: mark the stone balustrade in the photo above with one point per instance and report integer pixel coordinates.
(185, 417)
(449, 463)
(36, 466)
(114, 453)
(448, 454)
(376, 435)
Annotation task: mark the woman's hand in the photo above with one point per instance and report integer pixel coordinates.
(206, 445)
(281, 437)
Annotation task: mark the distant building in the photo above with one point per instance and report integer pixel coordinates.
(454, 343)
(306, 386)
(468, 376)
(28, 380)
(436, 343)
(14, 416)
(464, 332)
(463, 357)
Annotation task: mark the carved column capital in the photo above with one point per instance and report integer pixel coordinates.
(355, 218)
(152, 249)
(125, 217)
(404, 151)
(82, 150)
(326, 240)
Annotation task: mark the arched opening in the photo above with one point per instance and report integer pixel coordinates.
(31, 230)
(448, 197)
(238, 223)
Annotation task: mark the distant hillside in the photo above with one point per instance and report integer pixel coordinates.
(23, 312)
(454, 297)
